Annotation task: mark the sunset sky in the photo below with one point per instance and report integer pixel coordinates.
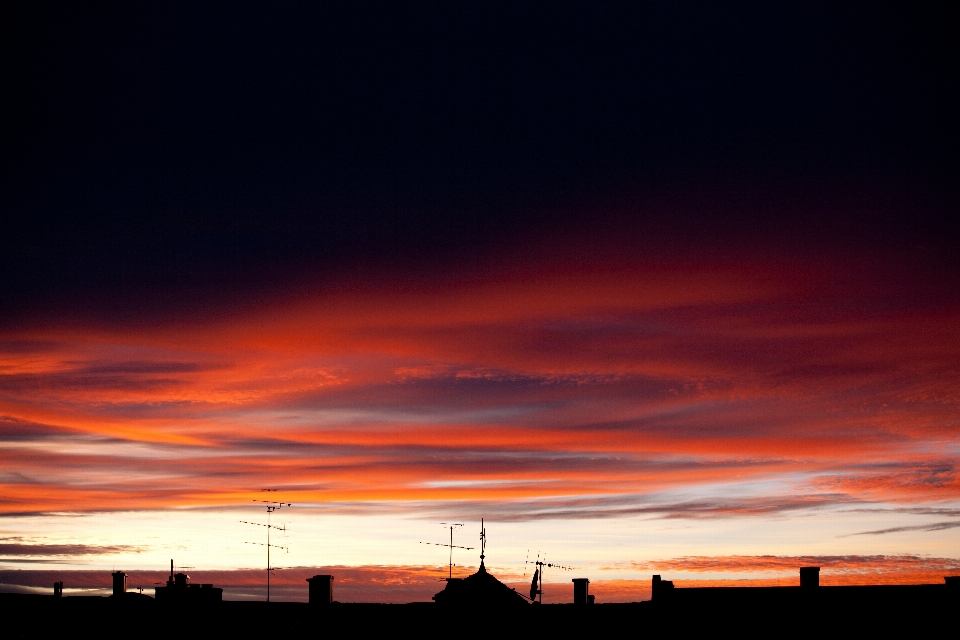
(651, 291)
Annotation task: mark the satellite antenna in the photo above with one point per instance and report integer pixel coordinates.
(451, 545)
(536, 585)
(272, 506)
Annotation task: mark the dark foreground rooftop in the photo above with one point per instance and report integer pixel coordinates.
(820, 612)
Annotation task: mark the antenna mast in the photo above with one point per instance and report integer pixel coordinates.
(451, 545)
(536, 586)
(271, 507)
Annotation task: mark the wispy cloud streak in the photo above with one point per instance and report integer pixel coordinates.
(935, 526)
(53, 550)
(617, 381)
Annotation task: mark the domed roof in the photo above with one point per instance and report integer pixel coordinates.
(481, 588)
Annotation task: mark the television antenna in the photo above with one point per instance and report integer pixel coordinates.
(451, 545)
(272, 506)
(179, 568)
(536, 585)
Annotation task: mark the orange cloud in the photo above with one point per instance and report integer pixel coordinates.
(626, 379)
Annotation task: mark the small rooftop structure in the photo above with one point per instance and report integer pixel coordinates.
(809, 577)
(180, 590)
(660, 588)
(119, 584)
(581, 591)
(321, 589)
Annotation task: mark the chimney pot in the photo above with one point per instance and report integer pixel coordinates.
(809, 576)
(119, 583)
(321, 589)
(581, 589)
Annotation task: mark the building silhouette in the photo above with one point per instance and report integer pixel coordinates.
(925, 610)
(479, 589)
(179, 590)
(807, 596)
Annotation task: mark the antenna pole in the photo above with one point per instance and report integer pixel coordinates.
(537, 585)
(269, 511)
(449, 545)
(271, 507)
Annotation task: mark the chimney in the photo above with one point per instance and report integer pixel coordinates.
(660, 588)
(809, 576)
(57, 589)
(321, 589)
(119, 583)
(581, 587)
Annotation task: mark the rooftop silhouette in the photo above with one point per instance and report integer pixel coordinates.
(479, 589)
(179, 590)
(673, 609)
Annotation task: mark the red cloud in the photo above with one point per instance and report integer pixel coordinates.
(626, 379)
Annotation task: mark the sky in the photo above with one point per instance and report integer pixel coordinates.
(658, 290)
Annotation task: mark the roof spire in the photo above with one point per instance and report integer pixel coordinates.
(483, 544)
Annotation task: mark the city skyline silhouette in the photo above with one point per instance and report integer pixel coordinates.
(657, 289)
